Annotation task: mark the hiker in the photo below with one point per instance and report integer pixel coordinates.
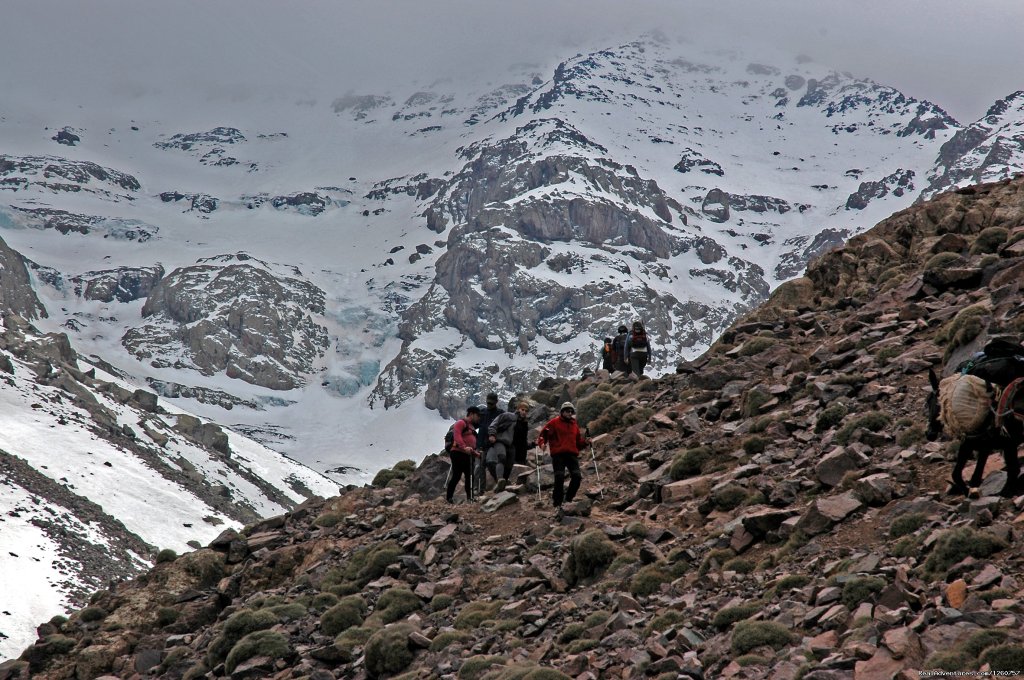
(501, 434)
(619, 347)
(608, 356)
(487, 416)
(638, 349)
(521, 436)
(463, 452)
(565, 440)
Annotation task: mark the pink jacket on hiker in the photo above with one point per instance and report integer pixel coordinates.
(464, 437)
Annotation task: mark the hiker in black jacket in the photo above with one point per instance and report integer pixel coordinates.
(619, 348)
(521, 435)
(487, 416)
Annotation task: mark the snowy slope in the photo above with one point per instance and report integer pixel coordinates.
(465, 235)
(80, 507)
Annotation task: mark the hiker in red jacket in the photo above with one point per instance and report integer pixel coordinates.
(565, 440)
(463, 453)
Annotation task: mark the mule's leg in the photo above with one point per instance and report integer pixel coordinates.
(963, 453)
(983, 450)
(1012, 465)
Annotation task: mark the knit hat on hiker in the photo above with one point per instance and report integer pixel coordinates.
(567, 406)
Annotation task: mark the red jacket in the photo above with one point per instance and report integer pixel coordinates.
(563, 436)
(464, 437)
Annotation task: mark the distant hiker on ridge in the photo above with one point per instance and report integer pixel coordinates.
(463, 452)
(638, 349)
(565, 440)
(619, 347)
(608, 356)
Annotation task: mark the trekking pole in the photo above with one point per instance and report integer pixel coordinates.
(537, 456)
(593, 456)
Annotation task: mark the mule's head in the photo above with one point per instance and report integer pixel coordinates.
(932, 409)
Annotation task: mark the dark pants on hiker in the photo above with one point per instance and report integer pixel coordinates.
(462, 466)
(637, 362)
(561, 461)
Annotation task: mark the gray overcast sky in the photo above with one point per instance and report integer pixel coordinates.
(961, 55)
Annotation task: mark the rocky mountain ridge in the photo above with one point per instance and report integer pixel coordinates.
(770, 510)
(464, 237)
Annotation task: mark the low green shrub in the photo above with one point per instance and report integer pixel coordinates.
(749, 635)
(754, 445)
(648, 580)
(387, 650)
(740, 565)
(907, 524)
(266, 643)
(574, 631)
(527, 672)
(580, 646)
(91, 614)
(942, 261)
(981, 640)
(860, 589)
(728, 497)
(206, 566)
(690, 462)
(791, 581)
(348, 613)
(954, 660)
(910, 436)
(957, 544)
(236, 627)
(874, 421)
(166, 555)
(442, 641)
(636, 415)
(324, 601)
(329, 519)
(474, 667)
(730, 615)
(590, 553)
(441, 602)
(989, 240)
(403, 469)
(1004, 658)
(590, 407)
(636, 530)
(598, 618)
(831, 416)
(756, 345)
(165, 616)
(474, 613)
(715, 559)
(397, 603)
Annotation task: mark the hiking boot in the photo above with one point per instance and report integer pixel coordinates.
(500, 485)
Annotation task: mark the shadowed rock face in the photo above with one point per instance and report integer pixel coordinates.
(233, 315)
(16, 294)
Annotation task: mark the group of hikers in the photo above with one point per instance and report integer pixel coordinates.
(489, 438)
(496, 438)
(628, 352)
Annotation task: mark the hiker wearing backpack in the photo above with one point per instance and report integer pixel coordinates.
(619, 348)
(638, 349)
(463, 452)
(562, 435)
(501, 434)
(487, 416)
(608, 356)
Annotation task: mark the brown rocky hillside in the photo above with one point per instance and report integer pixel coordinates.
(771, 511)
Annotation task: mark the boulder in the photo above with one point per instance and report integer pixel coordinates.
(824, 513)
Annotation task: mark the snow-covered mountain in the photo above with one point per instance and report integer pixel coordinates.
(311, 272)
